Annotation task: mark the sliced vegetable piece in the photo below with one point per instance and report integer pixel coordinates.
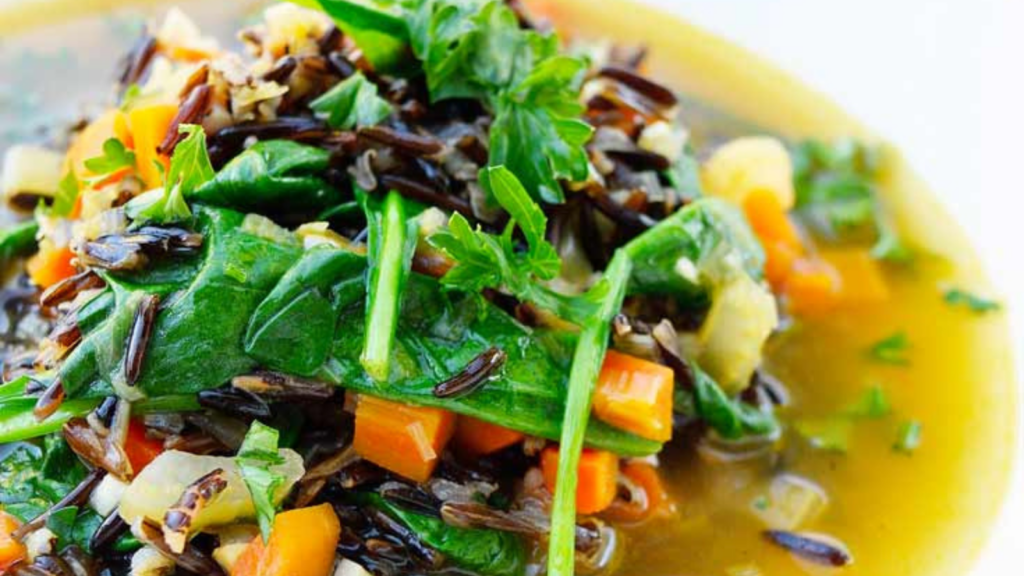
(392, 241)
(140, 449)
(49, 266)
(149, 125)
(635, 395)
(407, 440)
(302, 543)
(586, 366)
(475, 437)
(30, 172)
(747, 165)
(11, 550)
(160, 485)
(596, 477)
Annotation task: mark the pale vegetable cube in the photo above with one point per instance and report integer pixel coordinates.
(742, 316)
(233, 541)
(746, 164)
(147, 561)
(792, 503)
(31, 170)
(663, 138)
(163, 481)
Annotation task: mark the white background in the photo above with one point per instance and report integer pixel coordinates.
(943, 80)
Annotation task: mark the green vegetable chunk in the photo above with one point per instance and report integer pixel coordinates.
(586, 365)
(17, 240)
(392, 241)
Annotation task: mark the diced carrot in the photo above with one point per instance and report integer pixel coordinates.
(248, 562)
(11, 550)
(861, 276)
(89, 142)
(768, 218)
(779, 261)
(407, 440)
(49, 266)
(302, 543)
(187, 53)
(813, 287)
(149, 126)
(646, 479)
(597, 477)
(474, 437)
(140, 449)
(635, 395)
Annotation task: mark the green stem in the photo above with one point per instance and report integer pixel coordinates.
(586, 365)
(392, 240)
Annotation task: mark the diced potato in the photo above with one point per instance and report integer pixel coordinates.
(792, 503)
(744, 165)
(107, 495)
(665, 139)
(742, 316)
(233, 541)
(147, 561)
(30, 170)
(162, 483)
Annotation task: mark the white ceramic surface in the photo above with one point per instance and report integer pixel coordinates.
(943, 80)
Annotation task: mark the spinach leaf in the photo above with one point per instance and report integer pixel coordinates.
(273, 177)
(586, 365)
(242, 261)
(730, 417)
(378, 27)
(352, 103)
(73, 525)
(190, 168)
(17, 240)
(481, 551)
(679, 255)
(392, 241)
(33, 477)
(255, 458)
(292, 329)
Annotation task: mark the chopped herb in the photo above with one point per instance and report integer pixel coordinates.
(190, 168)
(837, 195)
(976, 304)
(873, 405)
(255, 458)
(761, 503)
(892, 349)
(115, 157)
(908, 438)
(352, 103)
(484, 260)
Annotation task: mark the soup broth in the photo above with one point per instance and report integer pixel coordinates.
(901, 514)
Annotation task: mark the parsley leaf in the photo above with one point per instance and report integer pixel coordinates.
(908, 437)
(190, 168)
(255, 458)
(892, 349)
(484, 260)
(115, 157)
(873, 405)
(976, 304)
(351, 103)
(477, 49)
(836, 193)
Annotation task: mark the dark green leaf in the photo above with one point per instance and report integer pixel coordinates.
(273, 177)
(730, 417)
(16, 241)
(480, 551)
(352, 103)
(975, 303)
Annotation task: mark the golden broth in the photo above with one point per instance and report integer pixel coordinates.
(924, 514)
